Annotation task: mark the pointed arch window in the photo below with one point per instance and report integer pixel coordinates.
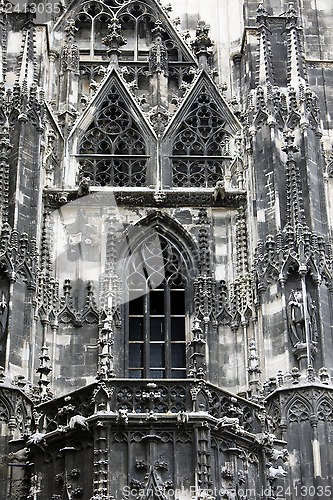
(137, 20)
(92, 23)
(200, 146)
(156, 320)
(113, 151)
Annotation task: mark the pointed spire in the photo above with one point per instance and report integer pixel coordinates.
(70, 61)
(3, 51)
(27, 69)
(296, 73)
(5, 147)
(265, 69)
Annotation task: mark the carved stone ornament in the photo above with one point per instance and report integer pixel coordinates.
(70, 56)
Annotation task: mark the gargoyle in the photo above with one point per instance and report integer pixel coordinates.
(37, 438)
(20, 455)
(182, 417)
(84, 187)
(122, 417)
(274, 472)
(219, 191)
(78, 421)
(276, 454)
(228, 422)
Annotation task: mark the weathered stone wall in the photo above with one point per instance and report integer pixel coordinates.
(254, 234)
(80, 255)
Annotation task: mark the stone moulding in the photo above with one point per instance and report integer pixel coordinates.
(55, 198)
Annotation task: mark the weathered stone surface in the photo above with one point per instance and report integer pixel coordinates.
(165, 254)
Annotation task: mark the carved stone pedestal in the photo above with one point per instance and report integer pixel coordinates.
(301, 353)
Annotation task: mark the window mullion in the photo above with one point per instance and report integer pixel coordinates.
(187, 331)
(92, 37)
(127, 328)
(136, 41)
(167, 333)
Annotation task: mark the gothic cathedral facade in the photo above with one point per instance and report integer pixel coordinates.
(148, 153)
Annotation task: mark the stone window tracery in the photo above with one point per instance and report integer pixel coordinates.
(200, 146)
(113, 151)
(116, 3)
(137, 22)
(92, 23)
(156, 311)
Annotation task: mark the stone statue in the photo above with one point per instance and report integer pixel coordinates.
(312, 310)
(3, 315)
(296, 318)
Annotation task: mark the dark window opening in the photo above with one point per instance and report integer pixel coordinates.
(156, 323)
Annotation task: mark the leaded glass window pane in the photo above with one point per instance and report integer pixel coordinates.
(156, 324)
(157, 328)
(136, 355)
(177, 301)
(157, 355)
(177, 356)
(136, 329)
(157, 302)
(178, 329)
(136, 305)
